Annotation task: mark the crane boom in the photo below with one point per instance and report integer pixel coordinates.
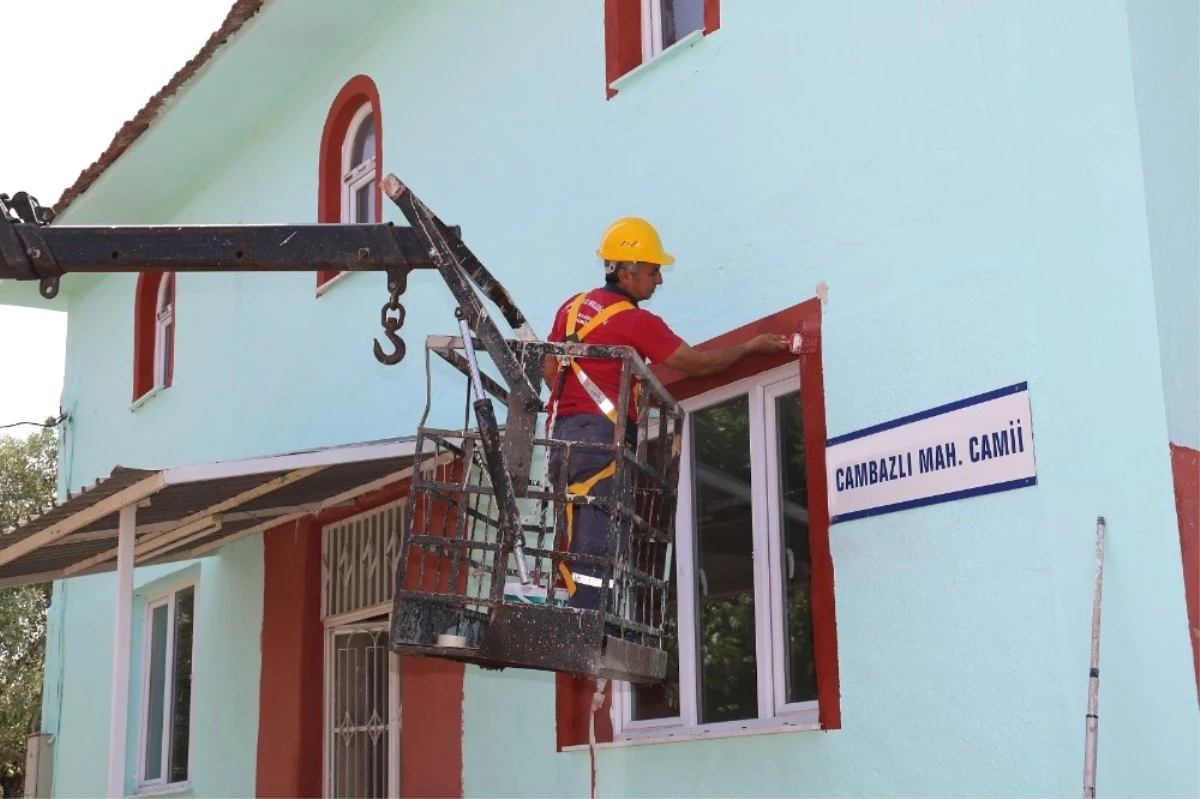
(493, 629)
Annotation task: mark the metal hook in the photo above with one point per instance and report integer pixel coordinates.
(398, 347)
(397, 282)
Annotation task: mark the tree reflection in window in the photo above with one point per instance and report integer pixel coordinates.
(800, 673)
(727, 669)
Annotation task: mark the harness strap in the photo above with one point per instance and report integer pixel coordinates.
(602, 401)
(581, 489)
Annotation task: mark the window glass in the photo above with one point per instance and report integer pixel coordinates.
(800, 674)
(181, 686)
(661, 701)
(156, 690)
(727, 669)
(364, 203)
(679, 18)
(364, 142)
(357, 735)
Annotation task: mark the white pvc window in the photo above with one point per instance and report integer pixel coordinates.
(164, 750)
(358, 168)
(164, 332)
(666, 22)
(741, 654)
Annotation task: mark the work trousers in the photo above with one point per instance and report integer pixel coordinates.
(591, 522)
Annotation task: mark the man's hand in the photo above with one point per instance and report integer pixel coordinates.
(697, 364)
(767, 344)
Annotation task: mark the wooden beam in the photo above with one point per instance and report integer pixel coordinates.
(158, 527)
(358, 491)
(126, 496)
(196, 521)
(261, 490)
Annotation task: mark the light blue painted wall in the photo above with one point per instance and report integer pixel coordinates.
(1164, 37)
(967, 178)
(225, 684)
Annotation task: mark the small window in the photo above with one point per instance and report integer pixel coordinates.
(665, 22)
(166, 701)
(358, 169)
(350, 172)
(638, 31)
(742, 651)
(154, 327)
(164, 336)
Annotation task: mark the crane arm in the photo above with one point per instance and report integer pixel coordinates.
(33, 249)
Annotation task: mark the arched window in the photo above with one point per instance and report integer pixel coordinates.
(153, 333)
(351, 163)
(164, 330)
(358, 168)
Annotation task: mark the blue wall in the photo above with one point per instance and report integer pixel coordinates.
(1164, 38)
(966, 178)
(225, 673)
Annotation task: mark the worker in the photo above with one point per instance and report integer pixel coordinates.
(583, 403)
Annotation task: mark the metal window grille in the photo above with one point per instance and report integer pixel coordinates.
(358, 731)
(359, 556)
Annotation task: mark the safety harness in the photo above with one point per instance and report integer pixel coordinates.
(584, 487)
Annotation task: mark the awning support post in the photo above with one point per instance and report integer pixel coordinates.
(119, 710)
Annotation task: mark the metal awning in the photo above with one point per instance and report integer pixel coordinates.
(191, 511)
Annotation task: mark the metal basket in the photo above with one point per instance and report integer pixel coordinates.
(459, 590)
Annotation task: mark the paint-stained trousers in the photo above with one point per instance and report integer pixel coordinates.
(591, 522)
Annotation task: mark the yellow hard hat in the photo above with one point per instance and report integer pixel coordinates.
(633, 239)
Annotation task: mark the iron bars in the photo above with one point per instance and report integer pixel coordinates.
(458, 592)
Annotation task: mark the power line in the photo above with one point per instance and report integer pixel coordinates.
(46, 424)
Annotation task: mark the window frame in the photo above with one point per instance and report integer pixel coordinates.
(150, 350)
(652, 30)
(372, 625)
(355, 176)
(164, 321)
(575, 722)
(166, 595)
(761, 390)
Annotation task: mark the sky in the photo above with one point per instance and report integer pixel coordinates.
(76, 71)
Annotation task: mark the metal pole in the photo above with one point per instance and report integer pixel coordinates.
(119, 708)
(510, 520)
(472, 364)
(1089, 747)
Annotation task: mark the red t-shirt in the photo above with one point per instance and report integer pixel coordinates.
(644, 331)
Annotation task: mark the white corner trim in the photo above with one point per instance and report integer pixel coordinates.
(331, 456)
(163, 790)
(328, 284)
(666, 736)
(142, 400)
(686, 43)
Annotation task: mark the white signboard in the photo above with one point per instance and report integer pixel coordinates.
(975, 446)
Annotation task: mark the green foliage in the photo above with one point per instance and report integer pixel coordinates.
(27, 484)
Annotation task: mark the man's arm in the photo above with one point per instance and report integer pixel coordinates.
(697, 364)
(550, 369)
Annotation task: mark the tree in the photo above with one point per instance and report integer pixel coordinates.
(27, 484)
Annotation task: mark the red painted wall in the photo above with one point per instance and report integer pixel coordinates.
(431, 760)
(290, 690)
(1185, 463)
(291, 723)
